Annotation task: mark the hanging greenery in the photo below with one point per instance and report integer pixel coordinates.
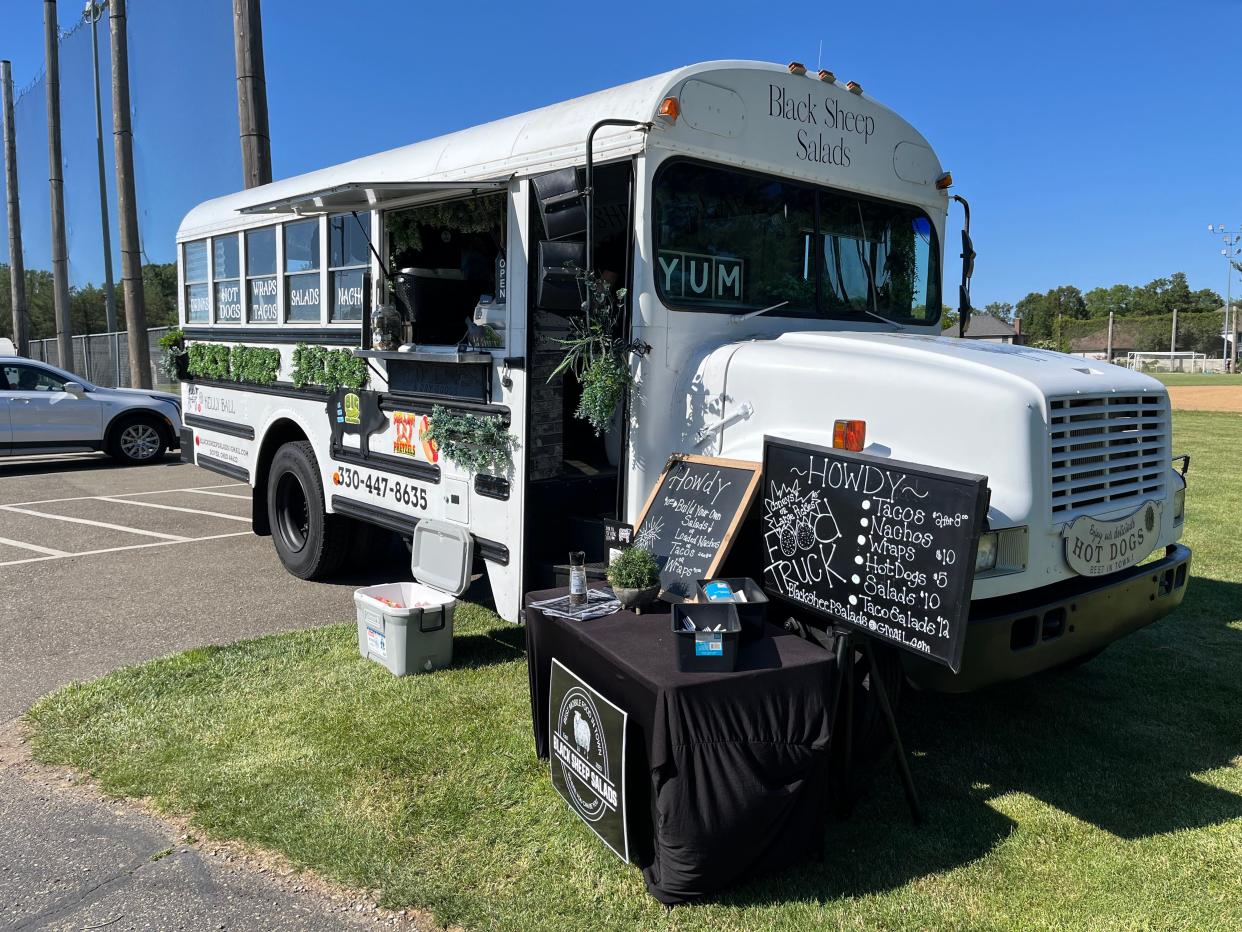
(477, 443)
(597, 354)
(484, 214)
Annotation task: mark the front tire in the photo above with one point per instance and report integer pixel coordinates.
(137, 441)
(310, 543)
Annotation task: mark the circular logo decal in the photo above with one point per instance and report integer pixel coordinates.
(578, 724)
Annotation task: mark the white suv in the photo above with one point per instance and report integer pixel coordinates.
(47, 410)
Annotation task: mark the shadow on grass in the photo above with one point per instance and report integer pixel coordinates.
(1118, 743)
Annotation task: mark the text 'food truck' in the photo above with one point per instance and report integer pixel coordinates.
(493, 341)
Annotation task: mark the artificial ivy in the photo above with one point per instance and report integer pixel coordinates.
(331, 368)
(208, 361)
(239, 363)
(173, 345)
(477, 443)
(254, 364)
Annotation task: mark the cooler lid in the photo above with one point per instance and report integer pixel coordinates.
(442, 555)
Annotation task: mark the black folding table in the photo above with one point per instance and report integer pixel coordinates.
(727, 774)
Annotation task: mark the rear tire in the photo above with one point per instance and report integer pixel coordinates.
(137, 440)
(310, 543)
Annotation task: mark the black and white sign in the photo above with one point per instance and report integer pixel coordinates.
(691, 516)
(587, 755)
(701, 277)
(884, 546)
(1094, 547)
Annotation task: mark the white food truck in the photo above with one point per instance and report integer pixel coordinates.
(780, 239)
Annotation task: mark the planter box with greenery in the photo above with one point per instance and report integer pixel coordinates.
(240, 363)
(330, 368)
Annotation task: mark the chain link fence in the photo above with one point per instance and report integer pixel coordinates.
(103, 358)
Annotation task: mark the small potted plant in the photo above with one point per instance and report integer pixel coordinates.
(635, 578)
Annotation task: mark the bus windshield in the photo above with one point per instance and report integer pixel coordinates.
(733, 241)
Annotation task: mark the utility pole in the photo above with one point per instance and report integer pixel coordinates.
(256, 143)
(56, 182)
(127, 205)
(17, 271)
(1110, 337)
(1229, 335)
(93, 13)
(1173, 340)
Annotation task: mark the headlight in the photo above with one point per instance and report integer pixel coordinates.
(985, 559)
(1002, 552)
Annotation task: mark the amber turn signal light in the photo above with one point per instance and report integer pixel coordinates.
(796, 67)
(945, 181)
(670, 109)
(827, 76)
(849, 435)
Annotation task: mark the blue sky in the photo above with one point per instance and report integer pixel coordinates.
(1095, 140)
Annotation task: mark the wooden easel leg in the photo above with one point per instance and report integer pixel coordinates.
(886, 709)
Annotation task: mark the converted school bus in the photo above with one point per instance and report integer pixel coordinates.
(781, 239)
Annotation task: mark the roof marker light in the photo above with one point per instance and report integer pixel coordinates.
(827, 76)
(670, 109)
(945, 181)
(853, 87)
(849, 435)
(796, 67)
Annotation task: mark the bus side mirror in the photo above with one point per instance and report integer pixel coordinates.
(559, 264)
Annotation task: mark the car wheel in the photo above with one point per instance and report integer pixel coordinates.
(138, 440)
(311, 543)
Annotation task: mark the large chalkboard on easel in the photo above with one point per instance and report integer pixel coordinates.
(691, 516)
(883, 546)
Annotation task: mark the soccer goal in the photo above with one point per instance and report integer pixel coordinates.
(1183, 361)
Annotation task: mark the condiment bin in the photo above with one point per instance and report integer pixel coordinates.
(700, 649)
(414, 634)
(753, 612)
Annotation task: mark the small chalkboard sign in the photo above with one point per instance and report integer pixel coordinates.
(883, 546)
(691, 516)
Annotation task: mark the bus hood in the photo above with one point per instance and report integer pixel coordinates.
(975, 407)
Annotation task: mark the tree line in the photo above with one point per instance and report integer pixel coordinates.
(87, 304)
(1046, 317)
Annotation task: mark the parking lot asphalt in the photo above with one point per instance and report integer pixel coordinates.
(104, 566)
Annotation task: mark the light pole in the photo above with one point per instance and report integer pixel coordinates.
(1229, 343)
(92, 14)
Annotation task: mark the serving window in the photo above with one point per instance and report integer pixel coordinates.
(448, 256)
(197, 287)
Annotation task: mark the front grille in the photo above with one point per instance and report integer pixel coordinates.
(1107, 450)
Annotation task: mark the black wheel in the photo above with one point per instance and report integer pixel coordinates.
(137, 439)
(310, 543)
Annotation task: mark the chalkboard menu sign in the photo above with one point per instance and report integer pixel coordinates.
(691, 516)
(884, 546)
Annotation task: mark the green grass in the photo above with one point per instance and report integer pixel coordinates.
(1194, 378)
(1110, 797)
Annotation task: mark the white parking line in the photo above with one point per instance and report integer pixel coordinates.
(158, 543)
(35, 547)
(103, 524)
(244, 498)
(85, 498)
(192, 511)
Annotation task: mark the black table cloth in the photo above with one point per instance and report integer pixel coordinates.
(727, 773)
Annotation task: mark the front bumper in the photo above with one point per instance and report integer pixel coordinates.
(1025, 633)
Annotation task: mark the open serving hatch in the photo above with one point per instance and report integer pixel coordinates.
(366, 195)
